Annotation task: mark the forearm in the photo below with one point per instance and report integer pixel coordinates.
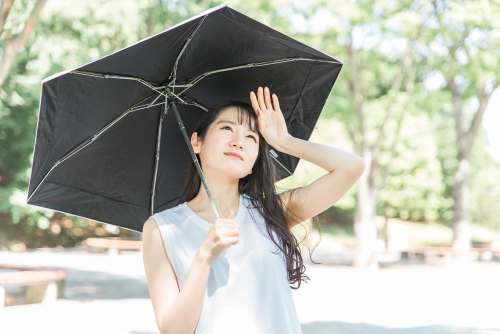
(327, 157)
(184, 313)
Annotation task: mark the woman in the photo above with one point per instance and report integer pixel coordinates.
(197, 283)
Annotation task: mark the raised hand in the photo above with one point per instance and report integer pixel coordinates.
(272, 124)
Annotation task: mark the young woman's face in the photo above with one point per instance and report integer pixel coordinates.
(226, 136)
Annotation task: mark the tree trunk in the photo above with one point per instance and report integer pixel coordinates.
(461, 196)
(461, 188)
(365, 229)
(13, 43)
(386, 227)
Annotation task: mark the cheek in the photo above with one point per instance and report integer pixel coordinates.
(253, 152)
(219, 138)
(213, 149)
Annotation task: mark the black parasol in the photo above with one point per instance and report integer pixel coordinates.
(111, 135)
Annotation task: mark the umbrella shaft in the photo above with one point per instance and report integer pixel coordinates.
(191, 151)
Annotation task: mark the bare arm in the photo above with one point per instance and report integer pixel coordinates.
(175, 311)
(344, 170)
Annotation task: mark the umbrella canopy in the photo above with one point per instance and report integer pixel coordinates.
(112, 134)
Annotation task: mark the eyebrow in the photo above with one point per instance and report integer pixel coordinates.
(232, 122)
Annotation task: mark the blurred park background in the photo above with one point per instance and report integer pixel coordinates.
(418, 99)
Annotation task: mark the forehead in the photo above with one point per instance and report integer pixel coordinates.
(230, 115)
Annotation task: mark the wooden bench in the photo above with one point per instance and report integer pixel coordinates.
(424, 251)
(42, 285)
(113, 244)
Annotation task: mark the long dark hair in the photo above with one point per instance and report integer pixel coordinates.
(260, 186)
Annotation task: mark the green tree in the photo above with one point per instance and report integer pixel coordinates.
(18, 101)
(463, 44)
(12, 43)
(376, 91)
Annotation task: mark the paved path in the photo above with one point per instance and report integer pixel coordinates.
(109, 294)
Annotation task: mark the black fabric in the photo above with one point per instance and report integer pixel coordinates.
(110, 180)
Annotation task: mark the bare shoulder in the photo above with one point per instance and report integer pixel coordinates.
(152, 243)
(150, 225)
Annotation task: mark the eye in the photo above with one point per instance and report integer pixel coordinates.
(226, 126)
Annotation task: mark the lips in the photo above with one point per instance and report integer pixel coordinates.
(234, 155)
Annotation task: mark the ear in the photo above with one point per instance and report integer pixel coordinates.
(195, 142)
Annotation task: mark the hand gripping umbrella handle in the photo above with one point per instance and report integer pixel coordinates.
(193, 156)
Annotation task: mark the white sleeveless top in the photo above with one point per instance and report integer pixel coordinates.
(247, 289)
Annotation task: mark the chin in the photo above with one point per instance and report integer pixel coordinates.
(235, 174)
(228, 170)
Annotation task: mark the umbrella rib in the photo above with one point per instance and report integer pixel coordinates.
(89, 140)
(290, 174)
(264, 63)
(146, 106)
(174, 71)
(190, 102)
(157, 157)
(114, 76)
(144, 82)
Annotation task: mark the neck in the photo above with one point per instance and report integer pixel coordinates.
(225, 199)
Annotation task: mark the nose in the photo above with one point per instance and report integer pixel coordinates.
(236, 144)
(237, 141)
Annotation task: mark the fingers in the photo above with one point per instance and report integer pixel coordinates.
(233, 240)
(263, 100)
(227, 221)
(228, 230)
(276, 103)
(260, 98)
(267, 98)
(255, 104)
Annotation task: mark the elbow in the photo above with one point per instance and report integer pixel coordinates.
(358, 166)
(163, 329)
